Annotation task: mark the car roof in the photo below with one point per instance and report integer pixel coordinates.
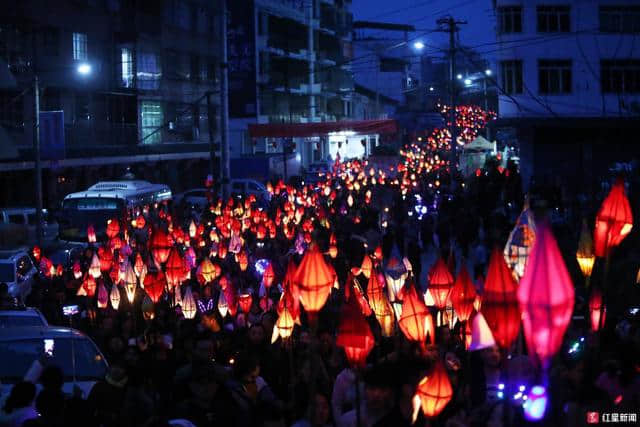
(9, 255)
(37, 332)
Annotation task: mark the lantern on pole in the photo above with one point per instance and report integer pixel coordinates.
(245, 300)
(614, 220)
(284, 326)
(154, 284)
(463, 295)
(354, 334)
(207, 270)
(435, 391)
(114, 296)
(268, 276)
(500, 302)
(103, 296)
(597, 310)
(520, 241)
(585, 255)
(130, 283)
(440, 283)
(188, 304)
(94, 267)
(175, 269)
(314, 279)
(91, 234)
(160, 246)
(546, 298)
(223, 307)
(113, 228)
(415, 322)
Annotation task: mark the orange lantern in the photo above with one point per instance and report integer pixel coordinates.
(614, 220)
(284, 326)
(106, 258)
(268, 276)
(138, 265)
(154, 285)
(243, 260)
(585, 255)
(366, 266)
(314, 278)
(435, 391)
(416, 321)
(207, 270)
(354, 334)
(175, 269)
(440, 283)
(113, 228)
(597, 310)
(245, 300)
(160, 246)
(140, 222)
(463, 294)
(499, 301)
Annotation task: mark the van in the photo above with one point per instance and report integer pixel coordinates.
(22, 221)
(18, 272)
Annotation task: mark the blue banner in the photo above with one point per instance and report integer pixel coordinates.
(52, 145)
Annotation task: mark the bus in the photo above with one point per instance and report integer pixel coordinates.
(103, 201)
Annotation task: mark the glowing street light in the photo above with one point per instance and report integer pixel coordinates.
(459, 76)
(467, 82)
(418, 45)
(488, 72)
(84, 69)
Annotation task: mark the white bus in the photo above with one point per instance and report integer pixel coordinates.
(103, 201)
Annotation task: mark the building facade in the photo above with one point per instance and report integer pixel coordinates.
(131, 78)
(569, 81)
(289, 62)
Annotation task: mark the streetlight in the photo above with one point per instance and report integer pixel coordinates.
(84, 69)
(459, 76)
(418, 45)
(430, 88)
(467, 82)
(488, 72)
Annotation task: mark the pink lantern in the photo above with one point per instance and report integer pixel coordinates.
(546, 297)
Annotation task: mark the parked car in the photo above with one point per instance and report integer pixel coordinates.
(250, 186)
(23, 221)
(20, 316)
(17, 271)
(25, 351)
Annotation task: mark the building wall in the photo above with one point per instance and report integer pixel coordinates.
(584, 45)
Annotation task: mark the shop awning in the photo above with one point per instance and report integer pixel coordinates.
(289, 130)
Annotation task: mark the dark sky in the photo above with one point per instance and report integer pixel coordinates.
(423, 14)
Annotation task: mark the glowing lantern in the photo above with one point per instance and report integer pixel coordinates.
(138, 265)
(440, 283)
(416, 321)
(597, 310)
(546, 298)
(354, 334)
(94, 267)
(520, 241)
(243, 260)
(175, 269)
(207, 270)
(114, 297)
(245, 300)
(435, 391)
(106, 259)
(463, 294)
(314, 279)
(77, 270)
(113, 228)
(333, 251)
(91, 234)
(188, 304)
(154, 285)
(366, 266)
(130, 283)
(614, 220)
(223, 307)
(160, 246)
(192, 229)
(480, 335)
(585, 255)
(103, 296)
(89, 286)
(284, 326)
(500, 303)
(268, 276)
(36, 253)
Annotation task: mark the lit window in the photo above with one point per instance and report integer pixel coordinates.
(152, 120)
(79, 46)
(127, 67)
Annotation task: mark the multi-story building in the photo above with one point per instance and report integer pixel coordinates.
(569, 80)
(139, 101)
(289, 62)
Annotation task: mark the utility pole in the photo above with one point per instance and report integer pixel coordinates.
(37, 161)
(450, 26)
(212, 150)
(224, 104)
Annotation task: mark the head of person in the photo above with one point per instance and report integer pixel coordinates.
(378, 389)
(203, 349)
(22, 395)
(246, 368)
(491, 357)
(256, 334)
(322, 414)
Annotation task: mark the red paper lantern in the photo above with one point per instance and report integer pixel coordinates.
(91, 234)
(113, 228)
(614, 220)
(435, 391)
(597, 310)
(154, 284)
(268, 276)
(175, 269)
(37, 252)
(354, 334)
(314, 279)
(243, 260)
(415, 321)
(500, 302)
(244, 301)
(463, 295)
(160, 246)
(440, 283)
(546, 298)
(106, 258)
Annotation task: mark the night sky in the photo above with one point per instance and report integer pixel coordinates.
(423, 14)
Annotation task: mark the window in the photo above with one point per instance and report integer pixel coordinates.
(16, 219)
(511, 72)
(554, 76)
(620, 76)
(79, 46)
(553, 19)
(152, 121)
(620, 19)
(149, 71)
(510, 19)
(126, 67)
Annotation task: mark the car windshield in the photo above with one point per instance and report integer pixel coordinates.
(17, 357)
(7, 272)
(78, 214)
(9, 321)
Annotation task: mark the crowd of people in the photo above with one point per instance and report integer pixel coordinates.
(215, 370)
